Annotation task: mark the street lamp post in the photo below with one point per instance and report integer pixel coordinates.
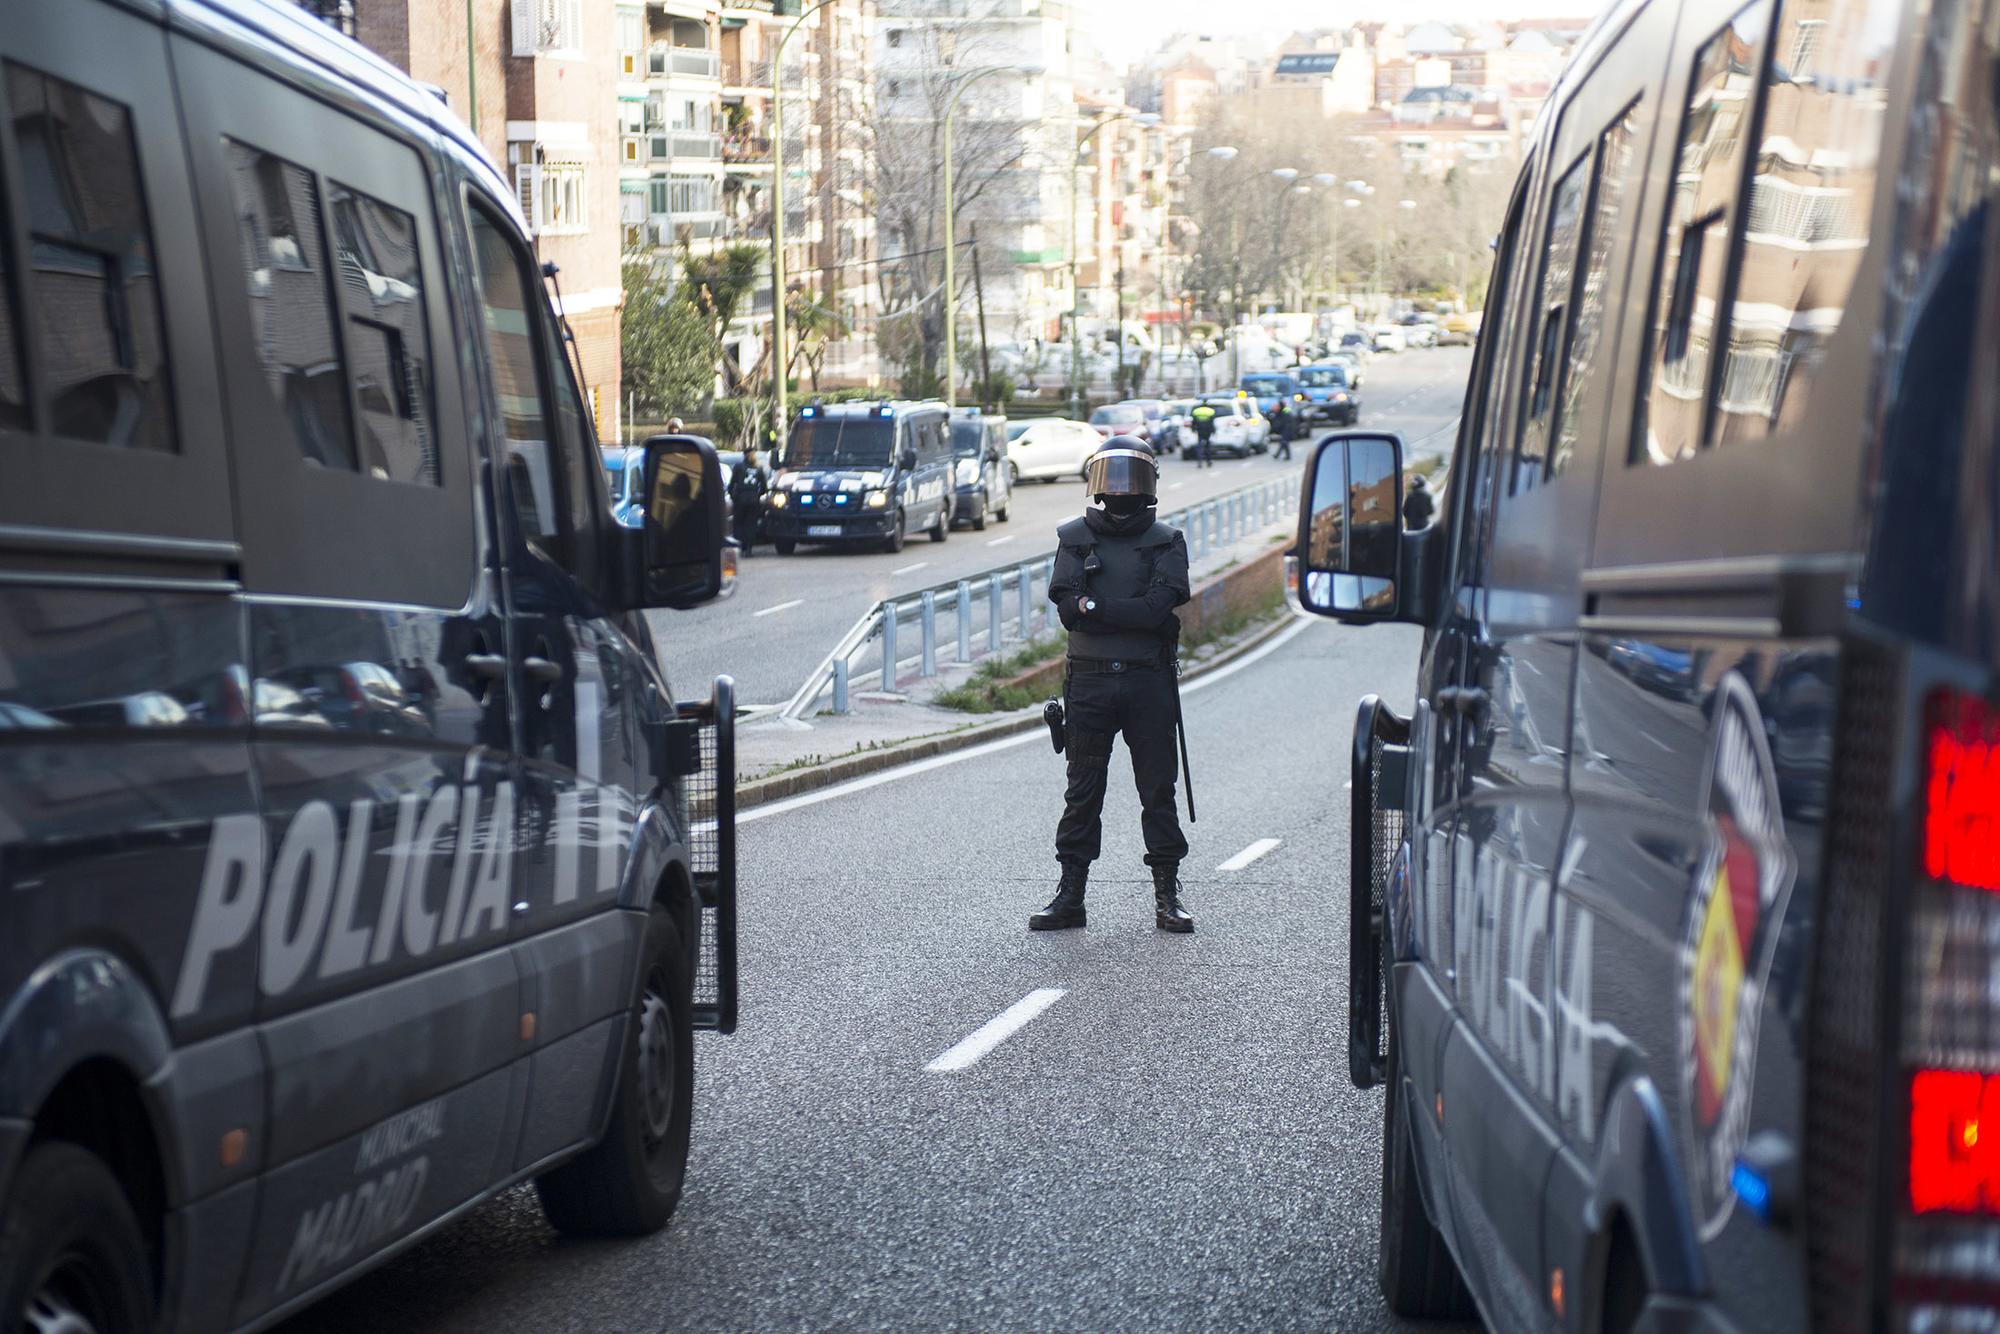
(963, 82)
(778, 412)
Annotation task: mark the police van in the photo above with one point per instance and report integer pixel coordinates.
(863, 472)
(356, 860)
(1675, 902)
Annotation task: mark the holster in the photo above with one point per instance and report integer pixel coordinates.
(1052, 714)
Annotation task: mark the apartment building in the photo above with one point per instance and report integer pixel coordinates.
(1015, 137)
(530, 76)
(669, 106)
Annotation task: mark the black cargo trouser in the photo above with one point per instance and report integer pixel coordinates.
(1139, 703)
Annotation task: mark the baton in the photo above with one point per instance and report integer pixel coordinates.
(1180, 728)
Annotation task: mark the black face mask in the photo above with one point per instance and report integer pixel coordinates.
(1126, 506)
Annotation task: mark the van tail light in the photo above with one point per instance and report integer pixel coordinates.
(350, 690)
(1945, 1263)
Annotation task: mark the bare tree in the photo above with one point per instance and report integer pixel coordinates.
(907, 134)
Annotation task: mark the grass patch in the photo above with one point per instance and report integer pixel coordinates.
(985, 692)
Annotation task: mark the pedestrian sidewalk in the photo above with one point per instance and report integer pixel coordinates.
(777, 757)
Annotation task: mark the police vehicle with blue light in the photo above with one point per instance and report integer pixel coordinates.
(357, 860)
(871, 472)
(1674, 905)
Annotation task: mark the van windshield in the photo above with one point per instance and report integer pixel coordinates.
(840, 442)
(1268, 384)
(1117, 414)
(966, 438)
(1323, 377)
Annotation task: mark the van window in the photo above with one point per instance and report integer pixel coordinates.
(1551, 311)
(507, 305)
(388, 348)
(95, 292)
(292, 302)
(1694, 256)
(1805, 227)
(1607, 209)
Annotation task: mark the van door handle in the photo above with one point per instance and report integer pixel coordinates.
(541, 671)
(490, 666)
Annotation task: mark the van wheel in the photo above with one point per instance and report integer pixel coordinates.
(942, 529)
(979, 518)
(897, 535)
(1013, 474)
(71, 1254)
(629, 1182)
(784, 546)
(1419, 1278)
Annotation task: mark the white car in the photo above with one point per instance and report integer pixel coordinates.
(1388, 338)
(1052, 447)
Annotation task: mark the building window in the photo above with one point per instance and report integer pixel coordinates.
(563, 194)
(546, 26)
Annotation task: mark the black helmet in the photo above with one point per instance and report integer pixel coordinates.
(1417, 482)
(1122, 466)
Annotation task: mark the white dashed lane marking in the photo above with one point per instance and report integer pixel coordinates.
(995, 1031)
(782, 606)
(1249, 854)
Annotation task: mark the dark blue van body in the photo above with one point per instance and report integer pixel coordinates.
(352, 845)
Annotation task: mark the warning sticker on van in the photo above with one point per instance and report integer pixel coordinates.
(1741, 888)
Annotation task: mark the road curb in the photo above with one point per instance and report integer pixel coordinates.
(794, 782)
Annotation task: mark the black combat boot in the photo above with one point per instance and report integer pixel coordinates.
(1168, 914)
(1065, 910)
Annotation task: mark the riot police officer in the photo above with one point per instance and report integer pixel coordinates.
(746, 499)
(1119, 574)
(1418, 504)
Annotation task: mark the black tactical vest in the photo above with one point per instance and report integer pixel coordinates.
(1117, 567)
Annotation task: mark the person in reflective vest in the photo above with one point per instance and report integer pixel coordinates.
(1203, 418)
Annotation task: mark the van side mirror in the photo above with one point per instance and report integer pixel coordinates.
(1351, 529)
(679, 550)
(908, 458)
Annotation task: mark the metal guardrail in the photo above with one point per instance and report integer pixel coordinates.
(1012, 612)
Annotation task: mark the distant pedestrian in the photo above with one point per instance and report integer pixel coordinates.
(1418, 504)
(1281, 429)
(1203, 418)
(746, 499)
(675, 426)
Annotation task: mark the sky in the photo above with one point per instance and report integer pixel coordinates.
(1126, 30)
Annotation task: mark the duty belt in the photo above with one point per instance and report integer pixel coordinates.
(1090, 666)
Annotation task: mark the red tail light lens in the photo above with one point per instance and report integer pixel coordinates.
(1962, 792)
(1954, 1142)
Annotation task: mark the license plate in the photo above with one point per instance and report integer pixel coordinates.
(823, 530)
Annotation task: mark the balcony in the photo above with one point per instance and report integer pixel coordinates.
(694, 62)
(675, 145)
(669, 229)
(746, 149)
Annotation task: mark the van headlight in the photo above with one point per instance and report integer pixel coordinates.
(779, 500)
(878, 500)
(968, 472)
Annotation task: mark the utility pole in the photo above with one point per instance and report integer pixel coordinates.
(979, 295)
(1118, 286)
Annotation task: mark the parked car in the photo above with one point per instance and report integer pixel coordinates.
(1354, 362)
(982, 480)
(1121, 419)
(1172, 435)
(1387, 338)
(1266, 388)
(862, 472)
(1156, 416)
(1052, 447)
(1329, 394)
(1459, 330)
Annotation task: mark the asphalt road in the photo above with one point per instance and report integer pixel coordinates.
(1171, 1145)
(789, 611)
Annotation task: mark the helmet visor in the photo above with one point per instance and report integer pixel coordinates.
(1121, 472)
